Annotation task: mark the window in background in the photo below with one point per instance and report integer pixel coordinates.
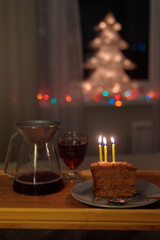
(133, 15)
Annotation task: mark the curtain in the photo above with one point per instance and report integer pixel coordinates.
(18, 66)
(61, 28)
(154, 69)
(40, 43)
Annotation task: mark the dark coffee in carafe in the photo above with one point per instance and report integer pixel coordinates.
(45, 183)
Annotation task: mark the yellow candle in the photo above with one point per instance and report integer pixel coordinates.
(113, 149)
(105, 148)
(100, 148)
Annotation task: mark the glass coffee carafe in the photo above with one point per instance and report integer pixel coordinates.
(32, 159)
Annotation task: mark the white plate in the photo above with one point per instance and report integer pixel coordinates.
(83, 193)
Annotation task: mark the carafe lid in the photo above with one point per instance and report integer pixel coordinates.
(37, 123)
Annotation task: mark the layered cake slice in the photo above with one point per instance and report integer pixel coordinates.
(113, 179)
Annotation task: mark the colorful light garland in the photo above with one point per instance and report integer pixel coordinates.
(116, 100)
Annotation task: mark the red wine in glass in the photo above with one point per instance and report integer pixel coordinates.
(73, 155)
(72, 151)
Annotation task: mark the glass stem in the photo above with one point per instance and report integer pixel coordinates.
(73, 172)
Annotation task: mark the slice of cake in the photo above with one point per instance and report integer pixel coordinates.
(113, 179)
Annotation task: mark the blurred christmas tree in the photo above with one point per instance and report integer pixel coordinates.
(108, 63)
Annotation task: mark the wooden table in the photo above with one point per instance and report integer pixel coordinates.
(61, 211)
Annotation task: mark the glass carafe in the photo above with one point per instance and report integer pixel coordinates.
(32, 159)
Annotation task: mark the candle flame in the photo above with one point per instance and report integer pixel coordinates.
(112, 140)
(100, 139)
(104, 141)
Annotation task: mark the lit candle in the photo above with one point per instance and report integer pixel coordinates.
(105, 148)
(113, 149)
(100, 148)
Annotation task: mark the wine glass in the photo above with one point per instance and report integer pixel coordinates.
(72, 149)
